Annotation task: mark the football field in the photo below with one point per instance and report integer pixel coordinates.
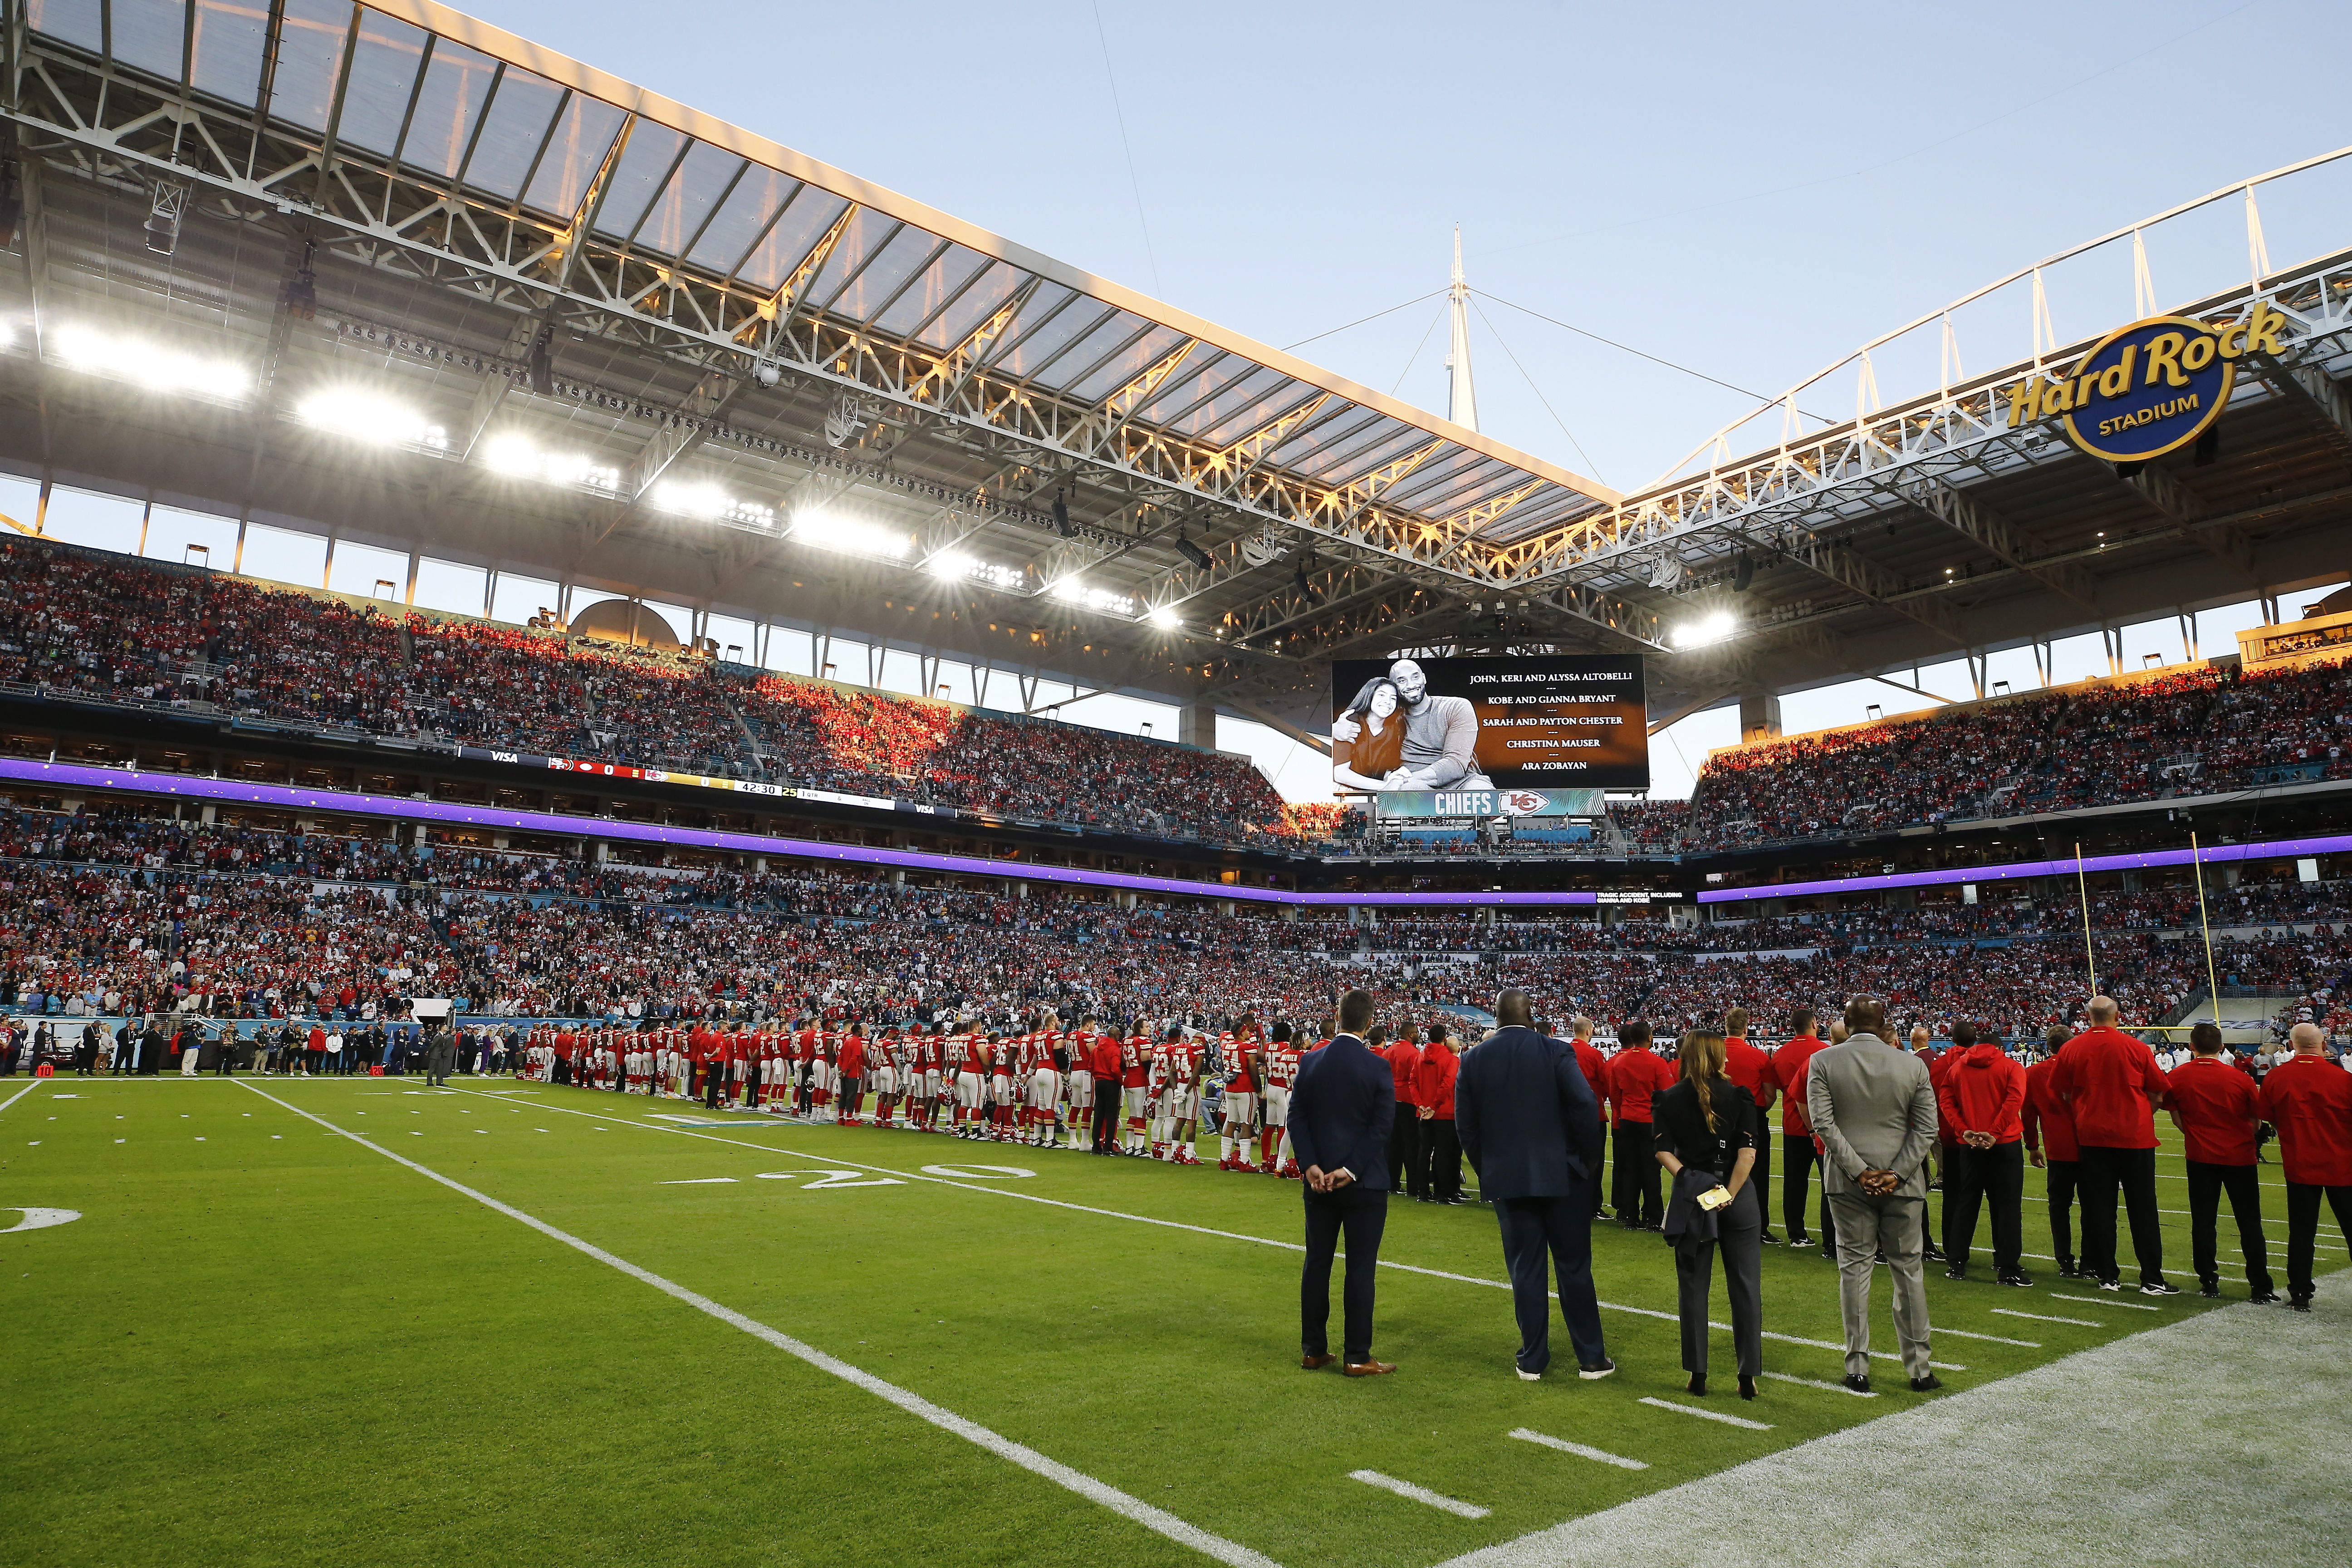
(358, 1320)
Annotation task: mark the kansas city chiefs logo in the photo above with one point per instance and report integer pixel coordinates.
(1525, 802)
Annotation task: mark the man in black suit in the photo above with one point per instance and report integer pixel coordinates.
(1341, 1114)
(1531, 1127)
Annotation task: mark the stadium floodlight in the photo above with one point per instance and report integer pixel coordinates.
(515, 456)
(371, 417)
(827, 530)
(1707, 629)
(1071, 590)
(1165, 617)
(956, 566)
(149, 364)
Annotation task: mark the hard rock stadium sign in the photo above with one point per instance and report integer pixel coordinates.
(2148, 388)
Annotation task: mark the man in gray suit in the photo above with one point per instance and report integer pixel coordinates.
(1874, 1113)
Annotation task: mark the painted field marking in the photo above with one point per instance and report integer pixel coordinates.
(829, 1179)
(1418, 1494)
(2103, 1302)
(1996, 1339)
(20, 1094)
(1206, 1230)
(1709, 1414)
(698, 1181)
(1817, 1382)
(1579, 1450)
(1028, 1458)
(2046, 1318)
(41, 1220)
(978, 1173)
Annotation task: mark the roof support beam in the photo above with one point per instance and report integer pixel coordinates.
(2009, 544)
(2191, 519)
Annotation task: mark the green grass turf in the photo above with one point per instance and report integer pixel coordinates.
(264, 1341)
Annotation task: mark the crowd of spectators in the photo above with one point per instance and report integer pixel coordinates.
(115, 913)
(2200, 731)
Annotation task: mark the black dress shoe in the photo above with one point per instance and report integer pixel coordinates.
(1956, 1273)
(2210, 1289)
(1798, 1238)
(1931, 1252)
(1768, 1239)
(1928, 1384)
(1857, 1383)
(1747, 1388)
(2015, 1277)
(2299, 1304)
(1697, 1384)
(1598, 1369)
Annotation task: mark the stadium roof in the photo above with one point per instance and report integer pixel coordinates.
(603, 338)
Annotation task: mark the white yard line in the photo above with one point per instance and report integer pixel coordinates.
(1581, 1451)
(1178, 1225)
(1817, 1382)
(20, 1094)
(1709, 1414)
(2046, 1318)
(1153, 1519)
(2103, 1301)
(1418, 1494)
(1995, 1339)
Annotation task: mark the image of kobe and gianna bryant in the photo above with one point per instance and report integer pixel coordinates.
(1396, 732)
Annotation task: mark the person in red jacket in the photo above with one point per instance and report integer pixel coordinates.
(1594, 1066)
(851, 1066)
(1432, 1099)
(1784, 1073)
(1404, 1133)
(1635, 1074)
(1982, 1098)
(2112, 1088)
(1750, 1068)
(2309, 1100)
(2047, 1121)
(2216, 1109)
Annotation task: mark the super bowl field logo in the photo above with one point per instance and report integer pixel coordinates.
(2147, 388)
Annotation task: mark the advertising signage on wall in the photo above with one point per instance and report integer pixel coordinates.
(2151, 387)
(1534, 722)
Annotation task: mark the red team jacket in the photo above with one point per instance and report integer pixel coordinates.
(1983, 1091)
(1404, 1063)
(1785, 1072)
(2105, 1077)
(2309, 1100)
(1432, 1081)
(2049, 1125)
(2215, 1107)
(1634, 1077)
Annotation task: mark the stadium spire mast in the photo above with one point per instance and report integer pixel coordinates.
(1461, 399)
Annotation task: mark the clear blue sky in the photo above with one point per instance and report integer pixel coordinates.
(1749, 191)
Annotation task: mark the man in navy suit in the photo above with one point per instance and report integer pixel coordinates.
(1341, 1114)
(1531, 1127)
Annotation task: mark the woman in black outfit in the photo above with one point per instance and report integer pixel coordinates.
(1706, 1129)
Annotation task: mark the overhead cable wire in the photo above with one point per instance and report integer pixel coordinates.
(1133, 183)
(1530, 380)
(1375, 316)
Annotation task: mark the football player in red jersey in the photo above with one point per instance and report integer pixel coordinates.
(1043, 1069)
(1080, 1043)
(1135, 1086)
(930, 1059)
(1281, 1077)
(883, 1072)
(1241, 1098)
(967, 1064)
(1156, 1078)
(1182, 1105)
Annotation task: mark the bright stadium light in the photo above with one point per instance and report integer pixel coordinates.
(709, 503)
(1070, 591)
(150, 365)
(514, 455)
(1165, 617)
(955, 566)
(371, 417)
(828, 531)
(1707, 629)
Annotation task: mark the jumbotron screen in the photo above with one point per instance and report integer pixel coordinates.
(1557, 720)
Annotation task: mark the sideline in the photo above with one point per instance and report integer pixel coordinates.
(1028, 1458)
(1195, 1229)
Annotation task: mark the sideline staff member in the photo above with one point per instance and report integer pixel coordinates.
(1532, 1130)
(2309, 1100)
(1342, 1112)
(2214, 1105)
(1635, 1074)
(1708, 1128)
(2112, 1086)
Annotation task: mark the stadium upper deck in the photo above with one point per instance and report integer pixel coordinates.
(388, 274)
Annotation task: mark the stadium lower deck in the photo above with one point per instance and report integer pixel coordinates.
(359, 1320)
